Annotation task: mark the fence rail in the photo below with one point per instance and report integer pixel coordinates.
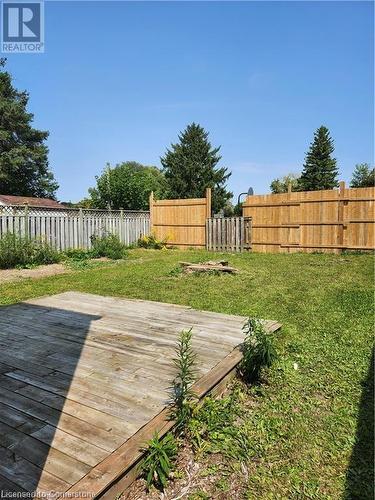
(228, 234)
(72, 228)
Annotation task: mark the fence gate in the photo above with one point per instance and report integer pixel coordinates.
(228, 234)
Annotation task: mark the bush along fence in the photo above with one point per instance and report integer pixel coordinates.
(73, 228)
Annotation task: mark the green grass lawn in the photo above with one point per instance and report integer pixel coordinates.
(310, 422)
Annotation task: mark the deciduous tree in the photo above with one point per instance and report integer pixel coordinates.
(128, 185)
(280, 185)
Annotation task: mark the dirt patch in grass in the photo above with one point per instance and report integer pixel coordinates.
(207, 478)
(7, 275)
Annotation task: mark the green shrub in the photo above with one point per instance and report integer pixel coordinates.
(151, 241)
(258, 350)
(78, 254)
(18, 251)
(157, 464)
(45, 254)
(109, 246)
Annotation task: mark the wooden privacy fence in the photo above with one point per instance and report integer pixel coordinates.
(181, 222)
(188, 223)
(72, 228)
(228, 234)
(326, 221)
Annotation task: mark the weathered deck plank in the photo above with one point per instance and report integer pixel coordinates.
(84, 381)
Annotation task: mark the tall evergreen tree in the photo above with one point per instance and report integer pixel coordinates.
(363, 176)
(191, 166)
(24, 167)
(320, 170)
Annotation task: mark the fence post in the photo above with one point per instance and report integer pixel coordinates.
(80, 228)
(340, 216)
(121, 228)
(151, 203)
(208, 211)
(249, 237)
(208, 203)
(26, 220)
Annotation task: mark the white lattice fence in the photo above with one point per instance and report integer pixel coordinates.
(72, 228)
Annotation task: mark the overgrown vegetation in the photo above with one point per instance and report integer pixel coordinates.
(309, 424)
(217, 427)
(182, 395)
(150, 241)
(258, 350)
(157, 464)
(108, 245)
(17, 251)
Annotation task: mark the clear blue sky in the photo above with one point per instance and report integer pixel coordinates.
(119, 80)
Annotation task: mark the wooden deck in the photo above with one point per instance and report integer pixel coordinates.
(84, 383)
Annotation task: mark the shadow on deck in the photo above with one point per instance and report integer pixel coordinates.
(40, 348)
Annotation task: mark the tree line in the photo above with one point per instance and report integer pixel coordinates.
(188, 166)
(320, 169)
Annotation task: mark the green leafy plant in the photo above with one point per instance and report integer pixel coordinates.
(182, 395)
(78, 254)
(45, 254)
(150, 241)
(176, 271)
(108, 245)
(258, 350)
(157, 465)
(19, 251)
(216, 427)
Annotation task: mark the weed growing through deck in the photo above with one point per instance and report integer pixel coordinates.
(183, 396)
(157, 465)
(258, 350)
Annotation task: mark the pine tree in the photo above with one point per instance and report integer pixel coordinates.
(320, 170)
(191, 166)
(363, 176)
(23, 155)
